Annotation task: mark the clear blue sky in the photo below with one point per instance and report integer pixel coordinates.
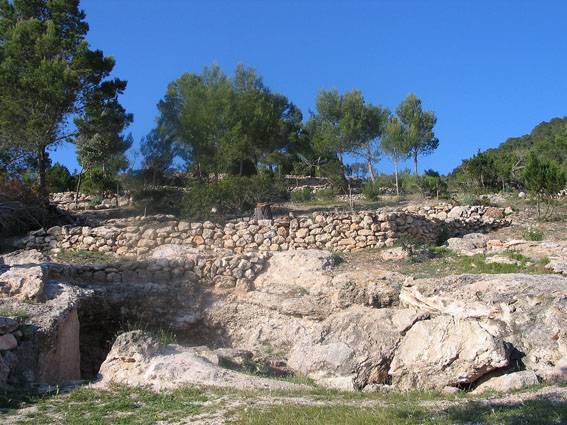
(489, 69)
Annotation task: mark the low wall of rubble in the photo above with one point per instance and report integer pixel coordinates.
(67, 201)
(138, 236)
(222, 271)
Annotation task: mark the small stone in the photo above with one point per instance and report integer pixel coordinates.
(7, 325)
(8, 342)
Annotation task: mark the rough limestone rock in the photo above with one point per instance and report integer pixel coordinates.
(7, 325)
(446, 351)
(501, 259)
(394, 254)
(24, 282)
(172, 252)
(8, 342)
(48, 346)
(328, 323)
(23, 257)
(528, 312)
(303, 268)
(138, 359)
(471, 244)
(353, 348)
(509, 382)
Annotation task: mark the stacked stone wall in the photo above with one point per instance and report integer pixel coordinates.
(138, 236)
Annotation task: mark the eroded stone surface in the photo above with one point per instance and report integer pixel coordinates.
(527, 311)
(446, 351)
(138, 359)
(509, 382)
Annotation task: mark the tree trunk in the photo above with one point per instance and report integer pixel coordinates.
(396, 173)
(78, 187)
(41, 170)
(416, 172)
(241, 167)
(371, 171)
(370, 168)
(263, 211)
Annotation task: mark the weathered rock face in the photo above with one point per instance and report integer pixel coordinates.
(353, 348)
(529, 312)
(444, 352)
(509, 382)
(46, 348)
(24, 283)
(326, 323)
(42, 345)
(138, 359)
(471, 244)
(343, 328)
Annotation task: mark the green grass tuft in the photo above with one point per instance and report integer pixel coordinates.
(15, 313)
(84, 256)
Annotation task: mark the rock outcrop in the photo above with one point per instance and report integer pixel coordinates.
(40, 342)
(527, 312)
(295, 310)
(446, 351)
(137, 358)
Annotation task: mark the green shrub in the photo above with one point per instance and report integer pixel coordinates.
(472, 199)
(230, 196)
(302, 195)
(543, 179)
(327, 193)
(371, 191)
(59, 179)
(533, 234)
(95, 200)
(95, 182)
(433, 185)
(159, 200)
(408, 183)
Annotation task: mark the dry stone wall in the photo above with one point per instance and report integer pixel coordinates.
(68, 202)
(139, 236)
(229, 271)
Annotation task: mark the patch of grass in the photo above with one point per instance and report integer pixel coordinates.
(526, 413)
(84, 256)
(440, 261)
(302, 195)
(117, 405)
(337, 258)
(518, 256)
(408, 413)
(15, 313)
(299, 291)
(337, 414)
(163, 335)
(533, 234)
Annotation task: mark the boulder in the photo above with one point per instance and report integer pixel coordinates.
(528, 312)
(24, 283)
(137, 359)
(353, 348)
(8, 342)
(446, 351)
(305, 268)
(23, 257)
(510, 382)
(7, 325)
(471, 244)
(394, 254)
